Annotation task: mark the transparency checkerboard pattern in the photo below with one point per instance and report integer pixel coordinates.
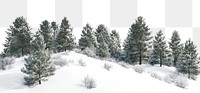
(165, 15)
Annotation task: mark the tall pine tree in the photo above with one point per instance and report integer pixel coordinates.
(38, 65)
(175, 46)
(137, 42)
(18, 39)
(115, 47)
(55, 30)
(103, 40)
(46, 32)
(159, 54)
(87, 38)
(188, 62)
(65, 39)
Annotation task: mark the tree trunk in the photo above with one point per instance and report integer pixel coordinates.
(40, 82)
(140, 59)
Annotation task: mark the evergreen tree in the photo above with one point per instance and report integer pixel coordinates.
(45, 30)
(102, 32)
(103, 40)
(65, 40)
(102, 49)
(137, 42)
(159, 49)
(87, 38)
(115, 47)
(188, 61)
(175, 46)
(55, 30)
(38, 65)
(18, 39)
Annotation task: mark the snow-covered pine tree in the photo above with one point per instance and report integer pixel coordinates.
(46, 32)
(38, 65)
(175, 46)
(103, 40)
(188, 62)
(102, 49)
(18, 39)
(55, 30)
(102, 31)
(159, 49)
(65, 40)
(87, 38)
(137, 42)
(115, 47)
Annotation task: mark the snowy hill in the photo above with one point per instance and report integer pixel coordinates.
(119, 79)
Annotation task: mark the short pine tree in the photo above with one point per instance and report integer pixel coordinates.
(102, 49)
(115, 47)
(65, 40)
(137, 43)
(175, 46)
(38, 65)
(18, 39)
(46, 32)
(159, 49)
(87, 38)
(188, 62)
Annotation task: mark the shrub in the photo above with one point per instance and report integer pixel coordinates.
(107, 66)
(156, 76)
(181, 82)
(123, 64)
(60, 62)
(6, 62)
(138, 69)
(89, 83)
(89, 52)
(81, 62)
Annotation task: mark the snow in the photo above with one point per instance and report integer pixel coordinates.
(67, 79)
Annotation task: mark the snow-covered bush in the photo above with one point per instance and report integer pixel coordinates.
(170, 78)
(89, 83)
(107, 66)
(181, 82)
(89, 52)
(60, 62)
(6, 62)
(123, 64)
(139, 69)
(156, 76)
(81, 62)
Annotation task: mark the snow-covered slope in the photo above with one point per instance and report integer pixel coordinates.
(68, 79)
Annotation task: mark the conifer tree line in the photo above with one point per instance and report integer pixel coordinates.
(139, 47)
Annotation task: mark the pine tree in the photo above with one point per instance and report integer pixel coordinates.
(102, 31)
(102, 49)
(175, 46)
(18, 39)
(115, 47)
(137, 42)
(159, 49)
(45, 30)
(87, 38)
(65, 40)
(55, 30)
(38, 65)
(188, 62)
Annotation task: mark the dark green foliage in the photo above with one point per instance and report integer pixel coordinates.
(103, 40)
(188, 62)
(160, 51)
(137, 42)
(18, 39)
(175, 46)
(55, 30)
(87, 38)
(65, 40)
(115, 47)
(45, 30)
(38, 65)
